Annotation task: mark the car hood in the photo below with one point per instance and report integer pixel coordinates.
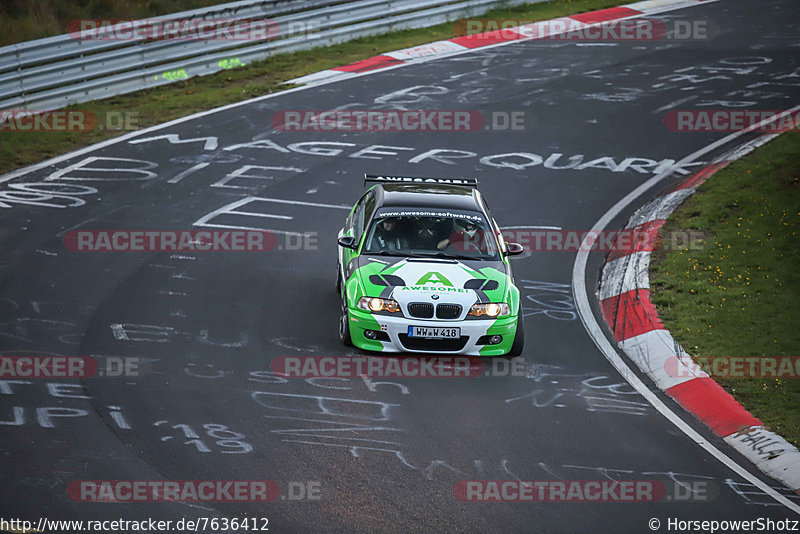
(463, 282)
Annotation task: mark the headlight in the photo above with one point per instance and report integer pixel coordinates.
(492, 309)
(375, 304)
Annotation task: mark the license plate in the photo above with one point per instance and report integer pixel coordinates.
(434, 332)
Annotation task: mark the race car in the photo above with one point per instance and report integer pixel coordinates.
(423, 267)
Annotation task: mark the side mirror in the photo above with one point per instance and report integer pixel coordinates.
(514, 249)
(347, 241)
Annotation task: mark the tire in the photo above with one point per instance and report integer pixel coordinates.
(344, 325)
(519, 338)
(338, 279)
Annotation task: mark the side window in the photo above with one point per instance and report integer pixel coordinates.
(362, 214)
(369, 207)
(355, 214)
(486, 205)
(500, 239)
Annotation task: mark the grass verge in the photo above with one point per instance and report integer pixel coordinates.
(739, 295)
(154, 106)
(25, 20)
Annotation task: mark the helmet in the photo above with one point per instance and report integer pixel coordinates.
(467, 226)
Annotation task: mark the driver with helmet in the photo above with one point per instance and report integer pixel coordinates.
(464, 236)
(389, 235)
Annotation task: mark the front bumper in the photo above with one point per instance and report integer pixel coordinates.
(396, 327)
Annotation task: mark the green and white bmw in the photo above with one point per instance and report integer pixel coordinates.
(423, 267)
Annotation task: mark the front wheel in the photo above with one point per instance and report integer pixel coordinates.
(344, 325)
(519, 337)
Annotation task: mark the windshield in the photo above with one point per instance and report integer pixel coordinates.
(451, 235)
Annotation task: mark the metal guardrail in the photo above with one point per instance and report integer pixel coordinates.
(59, 71)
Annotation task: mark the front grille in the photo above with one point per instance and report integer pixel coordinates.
(450, 345)
(448, 311)
(421, 310)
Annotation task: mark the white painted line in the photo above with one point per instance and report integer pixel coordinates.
(264, 215)
(209, 143)
(673, 104)
(187, 172)
(227, 208)
(598, 336)
(257, 229)
(301, 203)
(230, 209)
(173, 293)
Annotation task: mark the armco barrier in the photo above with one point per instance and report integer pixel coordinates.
(58, 71)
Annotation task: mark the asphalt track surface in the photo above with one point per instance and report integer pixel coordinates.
(215, 321)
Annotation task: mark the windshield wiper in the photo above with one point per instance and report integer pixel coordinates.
(386, 253)
(451, 256)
